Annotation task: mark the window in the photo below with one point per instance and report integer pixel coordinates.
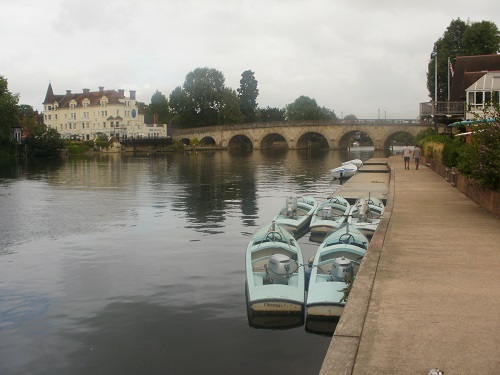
(496, 97)
(479, 98)
(487, 97)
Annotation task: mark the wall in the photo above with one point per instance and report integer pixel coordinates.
(486, 199)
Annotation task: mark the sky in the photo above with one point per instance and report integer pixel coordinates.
(363, 57)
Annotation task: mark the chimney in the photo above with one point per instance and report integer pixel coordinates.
(121, 93)
(101, 89)
(132, 94)
(86, 91)
(155, 118)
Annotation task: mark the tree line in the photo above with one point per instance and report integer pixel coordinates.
(205, 100)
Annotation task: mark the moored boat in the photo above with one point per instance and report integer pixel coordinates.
(274, 272)
(296, 215)
(329, 215)
(344, 171)
(365, 215)
(357, 162)
(335, 264)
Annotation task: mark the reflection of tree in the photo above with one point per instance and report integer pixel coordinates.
(212, 183)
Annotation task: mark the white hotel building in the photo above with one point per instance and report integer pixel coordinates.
(89, 114)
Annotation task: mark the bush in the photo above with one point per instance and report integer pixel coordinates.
(451, 152)
(480, 159)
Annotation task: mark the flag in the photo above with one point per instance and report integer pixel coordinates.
(451, 70)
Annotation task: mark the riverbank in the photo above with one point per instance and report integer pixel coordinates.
(428, 291)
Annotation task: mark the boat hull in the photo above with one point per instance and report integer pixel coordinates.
(325, 310)
(276, 306)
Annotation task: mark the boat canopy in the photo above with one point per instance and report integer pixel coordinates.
(475, 122)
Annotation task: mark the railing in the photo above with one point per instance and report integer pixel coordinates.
(442, 109)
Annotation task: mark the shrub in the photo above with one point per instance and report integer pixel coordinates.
(451, 152)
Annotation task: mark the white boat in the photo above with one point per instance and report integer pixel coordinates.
(344, 171)
(296, 215)
(274, 272)
(334, 267)
(357, 162)
(365, 215)
(329, 215)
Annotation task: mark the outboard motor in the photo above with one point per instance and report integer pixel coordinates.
(327, 212)
(280, 268)
(364, 212)
(291, 206)
(341, 268)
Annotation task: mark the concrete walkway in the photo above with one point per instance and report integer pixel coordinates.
(428, 292)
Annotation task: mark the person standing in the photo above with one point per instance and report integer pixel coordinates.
(417, 152)
(406, 156)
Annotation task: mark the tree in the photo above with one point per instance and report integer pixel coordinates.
(44, 142)
(350, 117)
(158, 106)
(8, 111)
(199, 100)
(269, 114)
(459, 39)
(247, 93)
(305, 108)
(229, 111)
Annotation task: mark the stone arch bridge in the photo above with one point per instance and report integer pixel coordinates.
(299, 135)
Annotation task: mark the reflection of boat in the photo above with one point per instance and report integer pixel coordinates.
(274, 274)
(357, 162)
(321, 326)
(365, 215)
(344, 171)
(296, 215)
(329, 215)
(276, 321)
(335, 264)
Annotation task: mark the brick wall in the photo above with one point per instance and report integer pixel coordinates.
(487, 199)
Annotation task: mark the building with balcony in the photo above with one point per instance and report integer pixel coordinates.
(90, 114)
(475, 84)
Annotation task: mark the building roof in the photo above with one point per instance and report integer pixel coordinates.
(487, 82)
(469, 69)
(94, 97)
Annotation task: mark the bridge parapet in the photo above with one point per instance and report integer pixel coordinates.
(297, 133)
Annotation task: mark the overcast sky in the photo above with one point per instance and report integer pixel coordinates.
(365, 57)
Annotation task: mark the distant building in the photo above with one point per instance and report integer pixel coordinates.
(475, 82)
(90, 114)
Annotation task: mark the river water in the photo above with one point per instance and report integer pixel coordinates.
(134, 264)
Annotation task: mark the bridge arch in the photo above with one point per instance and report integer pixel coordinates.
(273, 140)
(310, 138)
(207, 141)
(240, 141)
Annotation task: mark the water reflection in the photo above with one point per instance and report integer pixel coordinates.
(135, 263)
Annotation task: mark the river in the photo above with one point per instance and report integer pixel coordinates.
(134, 264)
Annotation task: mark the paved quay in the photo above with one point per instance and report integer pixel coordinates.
(428, 291)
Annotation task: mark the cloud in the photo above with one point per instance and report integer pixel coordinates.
(352, 57)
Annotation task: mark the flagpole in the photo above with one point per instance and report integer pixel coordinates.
(449, 81)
